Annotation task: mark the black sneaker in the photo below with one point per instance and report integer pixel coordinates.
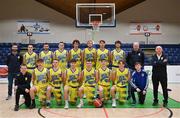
(164, 104)
(32, 106)
(16, 108)
(133, 103)
(8, 97)
(48, 105)
(155, 103)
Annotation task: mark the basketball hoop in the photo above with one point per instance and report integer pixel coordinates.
(95, 25)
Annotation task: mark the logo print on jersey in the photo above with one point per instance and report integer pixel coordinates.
(117, 57)
(76, 56)
(62, 58)
(122, 80)
(72, 78)
(55, 79)
(89, 57)
(40, 78)
(104, 77)
(47, 59)
(103, 56)
(31, 61)
(89, 79)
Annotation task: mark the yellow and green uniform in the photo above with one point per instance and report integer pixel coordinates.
(72, 82)
(117, 55)
(101, 55)
(62, 57)
(121, 83)
(89, 55)
(89, 84)
(104, 81)
(76, 55)
(55, 81)
(72, 78)
(47, 58)
(41, 82)
(30, 61)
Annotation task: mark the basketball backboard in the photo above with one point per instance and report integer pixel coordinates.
(87, 13)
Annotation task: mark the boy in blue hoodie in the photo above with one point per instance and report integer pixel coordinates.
(139, 83)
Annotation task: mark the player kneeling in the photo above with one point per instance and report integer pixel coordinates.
(88, 84)
(103, 75)
(72, 77)
(121, 76)
(40, 84)
(139, 83)
(55, 81)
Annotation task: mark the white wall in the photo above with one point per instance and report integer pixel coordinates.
(63, 28)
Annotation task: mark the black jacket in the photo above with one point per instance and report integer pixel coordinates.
(159, 66)
(133, 57)
(14, 62)
(23, 81)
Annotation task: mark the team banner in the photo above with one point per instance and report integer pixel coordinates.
(139, 28)
(35, 27)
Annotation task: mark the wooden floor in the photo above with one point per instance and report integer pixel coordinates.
(6, 109)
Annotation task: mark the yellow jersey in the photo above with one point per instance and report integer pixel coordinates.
(55, 79)
(30, 60)
(77, 56)
(62, 57)
(47, 58)
(104, 75)
(72, 78)
(121, 77)
(89, 55)
(101, 55)
(117, 56)
(41, 78)
(89, 77)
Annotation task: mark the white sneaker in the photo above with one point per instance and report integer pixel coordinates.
(114, 103)
(80, 105)
(66, 106)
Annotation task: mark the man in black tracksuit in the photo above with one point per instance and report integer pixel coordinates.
(14, 60)
(159, 74)
(136, 55)
(22, 86)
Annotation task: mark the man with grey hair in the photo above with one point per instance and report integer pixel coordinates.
(136, 55)
(159, 75)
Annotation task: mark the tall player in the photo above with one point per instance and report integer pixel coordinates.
(104, 76)
(62, 55)
(40, 84)
(88, 79)
(72, 77)
(89, 53)
(121, 77)
(117, 54)
(30, 58)
(56, 81)
(102, 53)
(76, 54)
(47, 56)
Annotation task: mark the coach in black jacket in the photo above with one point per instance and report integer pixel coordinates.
(136, 55)
(159, 74)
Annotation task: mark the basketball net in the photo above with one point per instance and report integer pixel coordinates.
(95, 25)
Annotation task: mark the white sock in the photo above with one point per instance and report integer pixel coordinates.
(66, 102)
(81, 101)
